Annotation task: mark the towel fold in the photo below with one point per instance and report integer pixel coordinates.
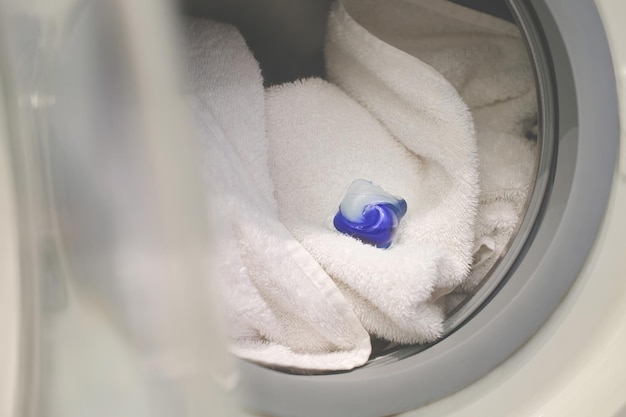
(282, 308)
(414, 137)
(485, 60)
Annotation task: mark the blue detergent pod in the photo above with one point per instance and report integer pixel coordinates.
(369, 213)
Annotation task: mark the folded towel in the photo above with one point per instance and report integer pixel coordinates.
(422, 150)
(282, 308)
(484, 58)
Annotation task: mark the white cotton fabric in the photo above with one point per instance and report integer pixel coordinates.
(419, 146)
(432, 102)
(486, 61)
(283, 310)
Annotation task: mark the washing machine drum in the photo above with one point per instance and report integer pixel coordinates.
(577, 140)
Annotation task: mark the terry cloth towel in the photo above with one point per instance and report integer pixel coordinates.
(283, 310)
(422, 148)
(485, 60)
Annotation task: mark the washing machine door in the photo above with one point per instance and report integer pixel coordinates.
(103, 233)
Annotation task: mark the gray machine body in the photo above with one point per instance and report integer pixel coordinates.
(579, 116)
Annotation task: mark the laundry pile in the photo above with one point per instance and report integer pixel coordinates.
(431, 101)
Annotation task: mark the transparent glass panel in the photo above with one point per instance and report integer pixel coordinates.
(117, 315)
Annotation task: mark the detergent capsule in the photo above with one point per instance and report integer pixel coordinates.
(369, 213)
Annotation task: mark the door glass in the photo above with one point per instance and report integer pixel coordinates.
(114, 239)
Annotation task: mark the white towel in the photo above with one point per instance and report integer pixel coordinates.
(423, 150)
(282, 309)
(484, 58)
